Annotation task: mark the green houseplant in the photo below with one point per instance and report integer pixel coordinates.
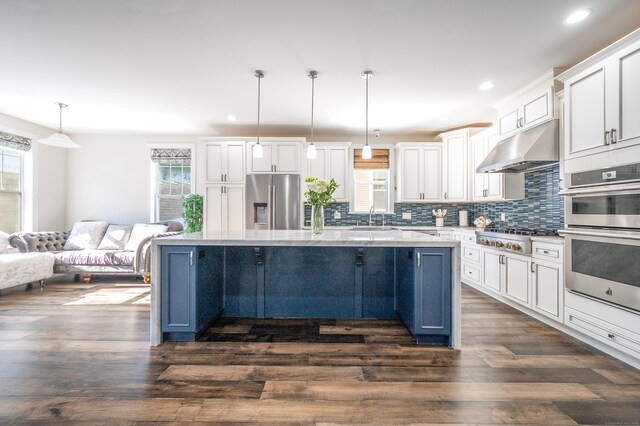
(192, 213)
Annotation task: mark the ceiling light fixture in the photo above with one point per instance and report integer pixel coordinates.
(487, 85)
(577, 16)
(311, 149)
(232, 117)
(257, 148)
(366, 149)
(59, 139)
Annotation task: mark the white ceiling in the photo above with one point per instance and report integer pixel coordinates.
(168, 66)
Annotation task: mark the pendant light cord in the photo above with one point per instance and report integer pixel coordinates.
(313, 83)
(259, 75)
(60, 105)
(366, 120)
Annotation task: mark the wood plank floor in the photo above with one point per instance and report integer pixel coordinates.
(79, 354)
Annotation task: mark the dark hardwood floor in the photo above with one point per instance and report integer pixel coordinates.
(77, 353)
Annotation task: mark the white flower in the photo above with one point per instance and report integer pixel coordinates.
(319, 186)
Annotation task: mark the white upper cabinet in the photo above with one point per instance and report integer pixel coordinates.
(419, 171)
(602, 101)
(455, 164)
(492, 186)
(225, 162)
(277, 157)
(529, 107)
(332, 160)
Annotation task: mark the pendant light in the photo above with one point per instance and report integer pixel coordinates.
(257, 148)
(311, 149)
(59, 139)
(366, 149)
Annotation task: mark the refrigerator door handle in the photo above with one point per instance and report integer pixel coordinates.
(272, 200)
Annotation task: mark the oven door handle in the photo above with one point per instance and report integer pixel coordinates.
(604, 189)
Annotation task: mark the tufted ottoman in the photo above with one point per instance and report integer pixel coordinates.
(22, 268)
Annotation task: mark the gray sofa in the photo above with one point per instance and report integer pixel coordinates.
(89, 258)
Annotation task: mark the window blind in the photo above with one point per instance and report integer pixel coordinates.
(8, 140)
(171, 155)
(379, 160)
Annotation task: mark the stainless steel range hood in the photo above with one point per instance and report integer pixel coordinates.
(528, 150)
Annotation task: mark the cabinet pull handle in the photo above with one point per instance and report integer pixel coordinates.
(533, 267)
(418, 259)
(225, 177)
(614, 138)
(445, 195)
(191, 258)
(522, 122)
(606, 137)
(221, 190)
(221, 178)
(611, 336)
(275, 167)
(517, 123)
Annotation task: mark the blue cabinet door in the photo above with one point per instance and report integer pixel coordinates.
(424, 293)
(433, 292)
(178, 275)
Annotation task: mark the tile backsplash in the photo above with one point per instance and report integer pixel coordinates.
(542, 208)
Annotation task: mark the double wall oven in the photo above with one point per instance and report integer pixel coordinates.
(602, 237)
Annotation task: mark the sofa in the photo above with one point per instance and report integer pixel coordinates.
(22, 268)
(98, 247)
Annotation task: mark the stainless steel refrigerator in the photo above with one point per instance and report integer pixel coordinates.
(273, 202)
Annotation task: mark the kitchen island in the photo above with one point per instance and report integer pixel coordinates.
(384, 274)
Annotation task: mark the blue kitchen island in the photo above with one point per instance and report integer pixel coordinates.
(389, 274)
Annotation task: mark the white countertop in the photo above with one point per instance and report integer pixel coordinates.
(330, 237)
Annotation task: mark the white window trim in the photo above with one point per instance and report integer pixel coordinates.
(391, 184)
(153, 177)
(29, 179)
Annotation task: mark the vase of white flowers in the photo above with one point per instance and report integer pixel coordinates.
(319, 194)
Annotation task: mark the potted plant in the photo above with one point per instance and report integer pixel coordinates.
(192, 213)
(319, 194)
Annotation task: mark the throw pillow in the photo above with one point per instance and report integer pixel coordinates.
(86, 235)
(115, 238)
(141, 231)
(4, 241)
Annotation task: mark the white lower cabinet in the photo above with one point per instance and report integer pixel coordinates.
(506, 273)
(616, 327)
(224, 208)
(547, 280)
(470, 266)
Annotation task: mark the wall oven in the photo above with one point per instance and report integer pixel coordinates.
(602, 236)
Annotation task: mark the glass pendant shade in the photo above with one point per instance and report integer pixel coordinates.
(311, 152)
(366, 152)
(257, 150)
(60, 140)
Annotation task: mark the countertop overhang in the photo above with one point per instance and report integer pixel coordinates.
(330, 238)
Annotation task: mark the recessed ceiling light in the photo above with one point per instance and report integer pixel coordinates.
(578, 16)
(486, 85)
(232, 118)
(444, 118)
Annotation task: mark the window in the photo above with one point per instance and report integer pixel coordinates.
(173, 178)
(11, 190)
(371, 182)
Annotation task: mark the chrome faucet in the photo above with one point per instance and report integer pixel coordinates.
(372, 210)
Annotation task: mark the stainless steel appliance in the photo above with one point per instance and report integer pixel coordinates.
(516, 240)
(604, 265)
(602, 237)
(273, 201)
(528, 150)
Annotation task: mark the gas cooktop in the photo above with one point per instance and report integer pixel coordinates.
(517, 240)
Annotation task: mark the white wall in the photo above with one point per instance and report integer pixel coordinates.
(109, 177)
(49, 183)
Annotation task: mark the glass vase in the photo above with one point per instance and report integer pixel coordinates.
(317, 219)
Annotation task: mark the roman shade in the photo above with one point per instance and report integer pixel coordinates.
(171, 155)
(8, 140)
(379, 160)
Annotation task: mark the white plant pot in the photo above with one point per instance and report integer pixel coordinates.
(439, 221)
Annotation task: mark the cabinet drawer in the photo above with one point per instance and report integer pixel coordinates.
(471, 254)
(470, 273)
(553, 252)
(603, 331)
(468, 238)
